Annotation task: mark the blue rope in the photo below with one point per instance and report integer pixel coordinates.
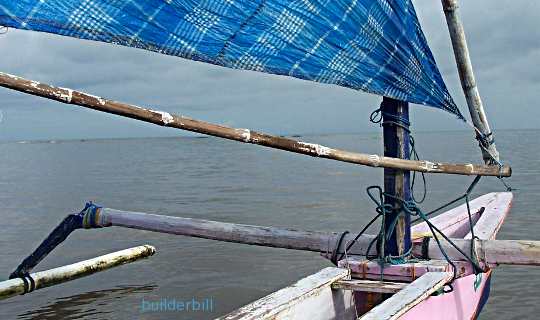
(377, 117)
(411, 208)
(83, 219)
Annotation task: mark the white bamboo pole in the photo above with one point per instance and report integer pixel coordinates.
(47, 278)
(468, 81)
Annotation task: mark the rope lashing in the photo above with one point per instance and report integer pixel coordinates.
(485, 138)
(335, 252)
(91, 215)
(86, 218)
(28, 283)
(485, 141)
(411, 208)
(386, 119)
(414, 155)
(380, 117)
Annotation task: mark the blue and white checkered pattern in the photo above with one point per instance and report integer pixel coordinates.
(371, 45)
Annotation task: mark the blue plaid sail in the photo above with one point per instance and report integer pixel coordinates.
(375, 46)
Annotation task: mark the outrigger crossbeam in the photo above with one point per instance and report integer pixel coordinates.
(490, 253)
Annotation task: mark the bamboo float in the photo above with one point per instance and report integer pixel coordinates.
(489, 252)
(47, 278)
(468, 81)
(161, 118)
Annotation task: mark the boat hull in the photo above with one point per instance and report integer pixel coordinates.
(464, 302)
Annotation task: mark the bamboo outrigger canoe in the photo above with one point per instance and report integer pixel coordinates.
(438, 268)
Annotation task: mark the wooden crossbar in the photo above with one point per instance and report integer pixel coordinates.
(369, 286)
(242, 135)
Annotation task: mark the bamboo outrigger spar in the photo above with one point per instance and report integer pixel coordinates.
(162, 118)
(47, 278)
(451, 254)
(490, 252)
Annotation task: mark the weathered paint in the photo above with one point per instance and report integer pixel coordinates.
(317, 148)
(369, 286)
(68, 96)
(365, 269)
(310, 298)
(246, 134)
(410, 296)
(463, 303)
(166, 117)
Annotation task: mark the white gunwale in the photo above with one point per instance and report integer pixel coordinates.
(309, 298)
(410, 296)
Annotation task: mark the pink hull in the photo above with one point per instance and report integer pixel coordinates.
(463, 303)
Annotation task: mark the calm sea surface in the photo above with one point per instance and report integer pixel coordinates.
(208, 178)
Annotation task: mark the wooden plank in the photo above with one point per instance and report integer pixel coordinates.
(362, 268)
(492, 218)
(47, 278)
(466, 75)
(310, 298)
(408, 297)
(162, 118)
(369, 286)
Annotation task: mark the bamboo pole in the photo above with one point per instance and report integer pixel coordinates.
(242, 135)
(47, 278)
(468, 81)
(316, 241)
(489, 252)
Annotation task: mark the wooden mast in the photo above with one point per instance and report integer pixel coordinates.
(396, 181)
(468, 81)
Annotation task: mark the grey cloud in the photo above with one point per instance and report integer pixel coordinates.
(505, 47)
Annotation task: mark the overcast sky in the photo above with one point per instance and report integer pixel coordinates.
(504, 39)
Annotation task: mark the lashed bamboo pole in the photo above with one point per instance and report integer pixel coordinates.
(243, 135)
(489, 252)
(47, 278)
(468, 81)
(286, 238)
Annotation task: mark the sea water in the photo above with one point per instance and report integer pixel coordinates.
(208, 178)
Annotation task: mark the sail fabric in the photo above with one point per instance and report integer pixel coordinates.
(375, 46)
